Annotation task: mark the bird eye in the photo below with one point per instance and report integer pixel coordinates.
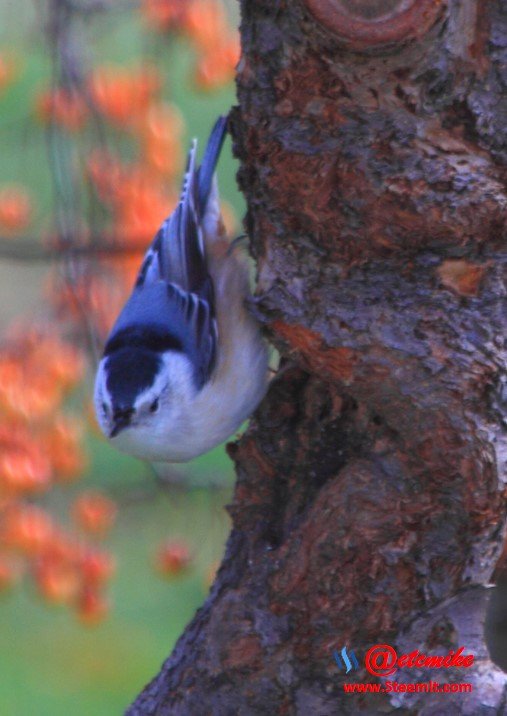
(154, 406)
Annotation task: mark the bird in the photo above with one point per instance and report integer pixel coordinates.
(185, 363)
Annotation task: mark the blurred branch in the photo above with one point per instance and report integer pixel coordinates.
(95, 6)
(30, 250)
(173, 483)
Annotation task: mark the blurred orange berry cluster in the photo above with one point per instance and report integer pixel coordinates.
(137, 196)
(37, 371)
(64, 566)
(40, 447)
(206, 25)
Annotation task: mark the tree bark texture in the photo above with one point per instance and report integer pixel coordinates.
(370, 501)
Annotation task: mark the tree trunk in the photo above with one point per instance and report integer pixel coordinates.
(369, 507)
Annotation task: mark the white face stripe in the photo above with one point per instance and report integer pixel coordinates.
(102, 397)
(100, 382)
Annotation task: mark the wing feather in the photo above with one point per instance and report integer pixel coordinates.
(173, 299)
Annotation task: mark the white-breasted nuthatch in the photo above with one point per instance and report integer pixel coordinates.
(184, 364)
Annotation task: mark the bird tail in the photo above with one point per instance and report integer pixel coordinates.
(183, 259)
(209, 162)
(177, 254)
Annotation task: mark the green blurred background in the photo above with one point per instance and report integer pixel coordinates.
(50, 663)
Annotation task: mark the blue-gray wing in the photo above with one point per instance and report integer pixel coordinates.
(172, 305)
(177, 254)
(161, 317)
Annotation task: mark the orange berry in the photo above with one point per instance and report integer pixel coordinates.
(96, 567)
(122, 93)
(94, 512)
(215, 68)
(23, 466)
(206, 23)
(91, 607)
(137, 224)
(15, 208)
(173, 559)
(24, 470)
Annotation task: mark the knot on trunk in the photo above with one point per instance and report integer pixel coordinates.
(366, 24)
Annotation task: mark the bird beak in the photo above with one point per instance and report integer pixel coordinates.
(121, 420)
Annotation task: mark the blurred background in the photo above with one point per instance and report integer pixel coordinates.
(102, 562)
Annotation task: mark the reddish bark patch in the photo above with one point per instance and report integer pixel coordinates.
(244, 652)
(335, 363)
(461, 276)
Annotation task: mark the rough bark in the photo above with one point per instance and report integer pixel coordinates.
(370, 501)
